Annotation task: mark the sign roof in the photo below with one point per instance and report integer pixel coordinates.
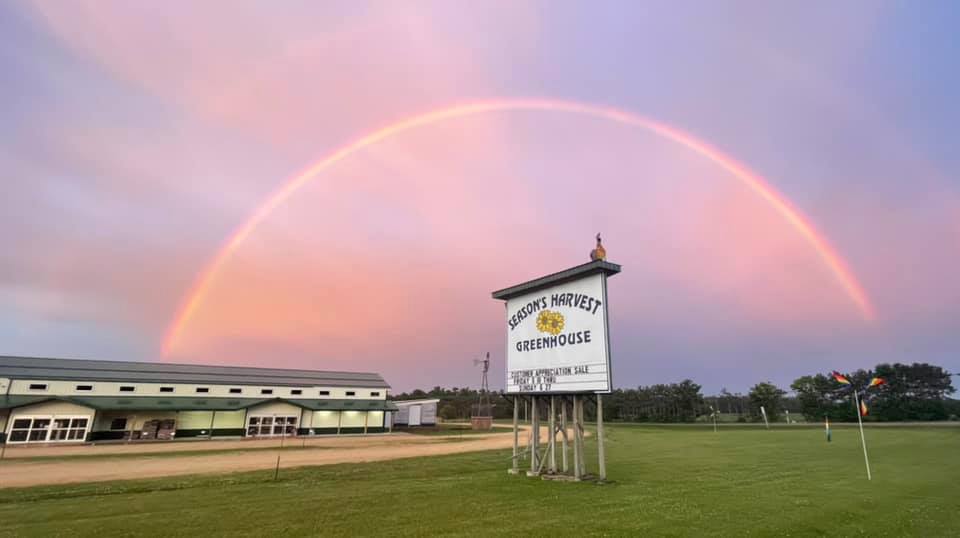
(580, 271)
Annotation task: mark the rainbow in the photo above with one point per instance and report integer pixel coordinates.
(750, 179)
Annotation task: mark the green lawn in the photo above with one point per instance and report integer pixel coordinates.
(665, 481)
(456, 429)
(291, 445)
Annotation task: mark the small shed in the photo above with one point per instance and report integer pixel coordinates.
(416, 413)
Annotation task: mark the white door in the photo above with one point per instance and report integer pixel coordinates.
(414, 415)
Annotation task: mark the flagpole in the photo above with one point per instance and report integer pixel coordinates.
(863, 440)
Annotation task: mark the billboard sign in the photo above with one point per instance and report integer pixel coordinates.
(557, 338)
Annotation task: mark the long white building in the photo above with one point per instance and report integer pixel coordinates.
(69, 401)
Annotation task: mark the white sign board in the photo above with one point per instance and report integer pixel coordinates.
(557, 339)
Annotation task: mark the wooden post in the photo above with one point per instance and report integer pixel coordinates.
(534, 435)
(552, 442)
(213, 417)
(577, 469)
(602, 456)
(283, 435)
(515, 468)
(563, 426)
(580, 452)
(339, 420)
(132, 423)
(366, 418)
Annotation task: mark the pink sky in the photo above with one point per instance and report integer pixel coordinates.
(151, 133)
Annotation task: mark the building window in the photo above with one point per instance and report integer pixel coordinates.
(118, 424)
(38, 386)
(166, 389)
(324, 393)
(203, 389)
(374, 394)
(84, 387)
(236, 391)
(69, 429)
(351, 393)
(296, 392)
(21, 430)
(47, 429)
(127, 388)
(271, 426)
(266, 391)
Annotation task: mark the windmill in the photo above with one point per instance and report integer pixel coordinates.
(482, 418)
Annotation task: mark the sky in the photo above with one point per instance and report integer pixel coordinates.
(340, 185)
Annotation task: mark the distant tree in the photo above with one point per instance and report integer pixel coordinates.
(815, 394)
(910, 392)
(688, 400)
(916, 391)
(770, 397)
(448, 412)
(953, 408)
(724, 401)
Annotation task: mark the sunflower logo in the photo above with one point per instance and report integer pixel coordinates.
(550, 322)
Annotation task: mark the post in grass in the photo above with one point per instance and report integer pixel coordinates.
(764, 413)
(861, 409)
(826, 425)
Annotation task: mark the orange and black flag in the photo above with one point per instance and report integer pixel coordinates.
(876, 382)
(840, 378)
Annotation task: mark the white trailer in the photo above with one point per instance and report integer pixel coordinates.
(416, 413)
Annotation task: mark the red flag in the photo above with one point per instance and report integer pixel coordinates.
(863, 408)
(840, 378)
(876, 382)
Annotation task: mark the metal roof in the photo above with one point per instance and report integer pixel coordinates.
(580, 271)
(159, 372)
(10, 401)
(160, 403)
(407, 403)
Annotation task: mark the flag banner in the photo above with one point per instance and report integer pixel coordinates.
(840, 378)
(859, 401)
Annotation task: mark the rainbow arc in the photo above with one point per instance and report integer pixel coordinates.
(750, 179)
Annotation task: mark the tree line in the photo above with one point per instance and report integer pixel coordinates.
(915, 392)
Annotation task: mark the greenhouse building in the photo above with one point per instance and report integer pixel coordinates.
(73, 401)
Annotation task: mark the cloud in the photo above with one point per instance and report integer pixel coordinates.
(388, 260)
(145, 134)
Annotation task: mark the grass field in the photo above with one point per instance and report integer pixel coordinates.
(173, 454)
(458, 429)
(665, 481)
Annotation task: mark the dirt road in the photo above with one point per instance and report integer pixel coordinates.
(21, 466)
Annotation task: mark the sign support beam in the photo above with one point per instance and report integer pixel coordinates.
(601, 456)
(563, 428)
(553, 435)
(515, 468)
